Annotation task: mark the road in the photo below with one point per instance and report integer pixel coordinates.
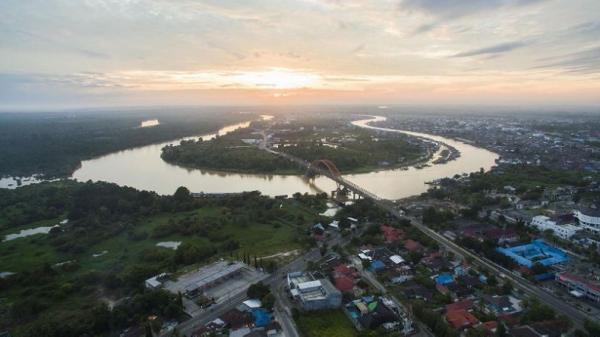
(578, 317)
(276, 281)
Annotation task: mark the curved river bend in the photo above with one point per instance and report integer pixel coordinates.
(143, 168)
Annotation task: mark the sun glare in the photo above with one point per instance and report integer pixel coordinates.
(277, 79)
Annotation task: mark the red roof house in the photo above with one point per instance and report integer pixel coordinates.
(391, 234)
(460, 305)
(344, 283)
(412, 246)
(461, 319)
(490, 326)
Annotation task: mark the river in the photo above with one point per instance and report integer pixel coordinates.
(143, 168)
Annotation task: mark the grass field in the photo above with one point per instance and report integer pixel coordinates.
(331, 323)
(258, 239)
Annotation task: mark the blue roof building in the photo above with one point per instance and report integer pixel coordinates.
(537, 251)
(444, 279)
(261, 317)
(376, 265)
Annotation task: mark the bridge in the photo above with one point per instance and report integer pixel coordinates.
(324, 168)
(328, 169)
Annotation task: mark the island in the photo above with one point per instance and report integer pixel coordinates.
(353, 150)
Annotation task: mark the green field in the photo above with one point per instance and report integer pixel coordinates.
(262, 239)
(330, 323)
(108, 248)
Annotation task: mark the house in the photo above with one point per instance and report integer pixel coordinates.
(435, 262)
(501, 304)
(461, 319)
(391, 234)
(343, 269)
(209, 328)
(524, 331)
(444, 279)
(261, 317)
(344, 283)
(491, 326)
(413, 246)
(551, 328)
(370, 312)
(490, 232)
(579, 286)
(400, 276)
(544, 223)
(376, 265)
(397, 259)
(459, 291)
(461, 305)
(418, 292)
(235, 319)
(313, 294)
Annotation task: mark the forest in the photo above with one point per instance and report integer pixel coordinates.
(61, 283)
(54, 144)
(352, 150)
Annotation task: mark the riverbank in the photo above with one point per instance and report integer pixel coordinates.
(352, 150)
(46, 146)
(142, 168)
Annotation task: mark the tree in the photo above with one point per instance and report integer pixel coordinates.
(268, 301)
(179, 299)
(501, 330)
(182, 195)
(257, 290)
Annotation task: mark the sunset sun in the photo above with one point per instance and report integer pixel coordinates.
(276, 78)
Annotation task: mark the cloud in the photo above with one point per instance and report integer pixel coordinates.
(458, 8)
(494, 50)
(448, 10)
(584, 62)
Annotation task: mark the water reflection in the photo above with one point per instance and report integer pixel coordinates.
(143, 168)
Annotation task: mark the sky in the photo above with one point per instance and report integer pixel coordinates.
(88, 53)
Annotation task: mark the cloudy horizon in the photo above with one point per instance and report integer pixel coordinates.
(61, 53)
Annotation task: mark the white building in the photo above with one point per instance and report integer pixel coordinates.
(313, 294)
(589, 219)
(157, 281)
(543, 223)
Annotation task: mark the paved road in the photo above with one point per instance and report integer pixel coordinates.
(578, 317)
(215, 311)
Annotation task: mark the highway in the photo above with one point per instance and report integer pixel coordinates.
(277, 279)
(277, 283)
(577, 317)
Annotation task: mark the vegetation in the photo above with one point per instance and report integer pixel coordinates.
(433, 320)
(331, 323)
(262, 292)
(63, 281)
(352, 150)
(227, 153)
(54, 144)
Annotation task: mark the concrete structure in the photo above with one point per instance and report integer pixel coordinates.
(544, 223)
(370, 312)
(579, 285)
(535, 252)
(313, 294)
(588, 219)
(157, 281)
(195, 283)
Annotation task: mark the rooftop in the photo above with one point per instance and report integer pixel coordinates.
(537, 251)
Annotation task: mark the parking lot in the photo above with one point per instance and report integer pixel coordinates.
(227, 281)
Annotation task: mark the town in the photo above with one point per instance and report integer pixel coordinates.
(372, 273)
